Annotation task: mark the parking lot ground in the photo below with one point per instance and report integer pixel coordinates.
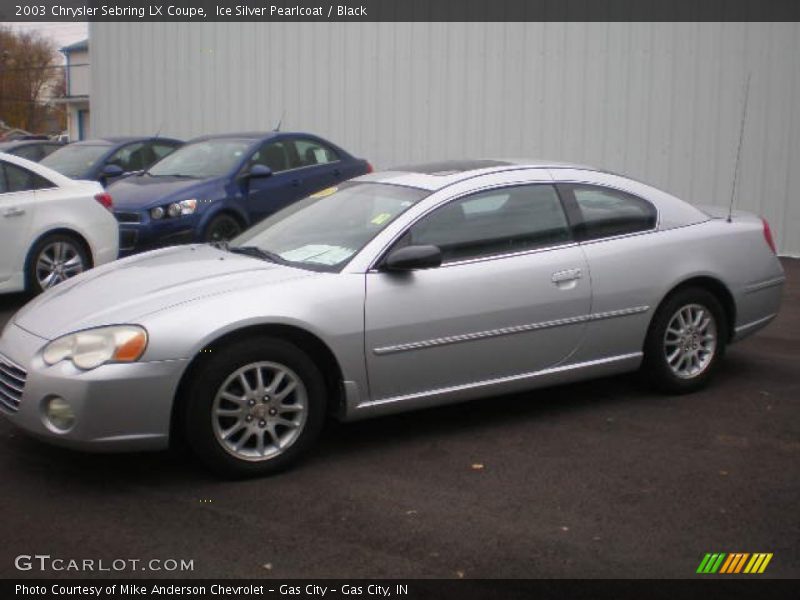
(599, 479)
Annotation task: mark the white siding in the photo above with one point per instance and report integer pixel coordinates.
(657, 101)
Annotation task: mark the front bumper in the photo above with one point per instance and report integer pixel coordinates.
(147, 234)
(118, 407)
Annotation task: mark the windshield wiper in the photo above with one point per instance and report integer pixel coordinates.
(180, 175)
(254, 251)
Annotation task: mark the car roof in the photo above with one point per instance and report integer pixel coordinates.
(437, 175)
(255, 135)
(242, 135)
(121, 139)
(20, 143)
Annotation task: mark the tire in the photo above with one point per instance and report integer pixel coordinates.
(240, 431)
(678, 359)
(54, 259)
(222, 228)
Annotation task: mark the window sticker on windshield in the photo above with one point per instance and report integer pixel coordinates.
(381, 218)
(321, 254)
(326, 192)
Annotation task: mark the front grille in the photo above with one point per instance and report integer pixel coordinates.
(12, 384)
(128, 217)
(127, 239)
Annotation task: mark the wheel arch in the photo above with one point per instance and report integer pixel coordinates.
(310, 343)
(229, 211)
(716, 287)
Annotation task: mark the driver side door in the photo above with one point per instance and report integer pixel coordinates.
(509, 299)
(266, 195)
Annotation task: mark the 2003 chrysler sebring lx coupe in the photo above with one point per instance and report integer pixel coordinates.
(397, 290)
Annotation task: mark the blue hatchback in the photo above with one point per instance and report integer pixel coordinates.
(214, 187)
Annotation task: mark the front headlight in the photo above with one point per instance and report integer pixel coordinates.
(94, 347)
(184, 207)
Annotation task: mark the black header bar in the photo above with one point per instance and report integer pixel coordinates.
(399, 10)
(732, 588)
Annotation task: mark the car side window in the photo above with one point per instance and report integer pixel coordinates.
(274, 155)
(606, 212)
(310, 153)
(161, 149)
(17, 179)
(132, 157)
(32, 152)
(48, 149)
(494, 222)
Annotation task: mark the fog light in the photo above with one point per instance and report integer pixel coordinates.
(157, 213)
(59, 413)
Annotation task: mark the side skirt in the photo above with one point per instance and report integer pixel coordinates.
(505, 385)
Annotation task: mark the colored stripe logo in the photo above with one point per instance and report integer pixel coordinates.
(734, 563)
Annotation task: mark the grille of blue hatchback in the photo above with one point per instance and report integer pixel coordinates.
(12, 384)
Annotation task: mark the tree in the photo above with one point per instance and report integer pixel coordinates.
(29, 79)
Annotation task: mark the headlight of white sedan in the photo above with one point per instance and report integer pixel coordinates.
(94, 347)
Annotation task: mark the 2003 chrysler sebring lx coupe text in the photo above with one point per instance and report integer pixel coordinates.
(397, 290)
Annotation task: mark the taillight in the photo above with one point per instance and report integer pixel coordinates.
(104, 198)
(768, 236)
(369, 167)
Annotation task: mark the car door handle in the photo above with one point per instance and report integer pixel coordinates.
(14, 211)
(566, 275)
(296, 182)
(337, 173)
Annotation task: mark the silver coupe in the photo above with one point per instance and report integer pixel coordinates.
(398, 290)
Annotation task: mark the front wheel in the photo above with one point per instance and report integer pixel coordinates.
(222, 228)
(255, 407)
(685, 342)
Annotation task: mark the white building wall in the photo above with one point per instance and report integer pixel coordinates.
(79, 73)
(660, 102)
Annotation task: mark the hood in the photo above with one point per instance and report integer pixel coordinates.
(140, 192)
(126, 290)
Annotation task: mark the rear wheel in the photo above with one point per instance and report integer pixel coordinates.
(222, 228)
(255, 407)
(686, 341)
(55, 258)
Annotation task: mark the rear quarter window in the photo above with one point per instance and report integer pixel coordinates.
(18, 179)
(607, 212)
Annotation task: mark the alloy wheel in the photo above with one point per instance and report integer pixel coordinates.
(57, 262)
(259, 411)
(690, 341)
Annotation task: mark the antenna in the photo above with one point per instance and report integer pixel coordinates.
(278, 126)
(158, 132)
(739, 149)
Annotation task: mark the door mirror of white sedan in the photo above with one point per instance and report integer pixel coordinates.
(410, 258)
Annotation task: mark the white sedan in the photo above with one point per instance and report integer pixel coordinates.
(51, 227)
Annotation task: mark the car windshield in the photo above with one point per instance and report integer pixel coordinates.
(325, 230)
(209, 158)
(75, 160)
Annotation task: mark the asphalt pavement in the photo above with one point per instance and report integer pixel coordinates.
(599, 479)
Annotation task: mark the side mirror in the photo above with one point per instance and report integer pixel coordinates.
(413, 257)
(258, 171)
(110, 171)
